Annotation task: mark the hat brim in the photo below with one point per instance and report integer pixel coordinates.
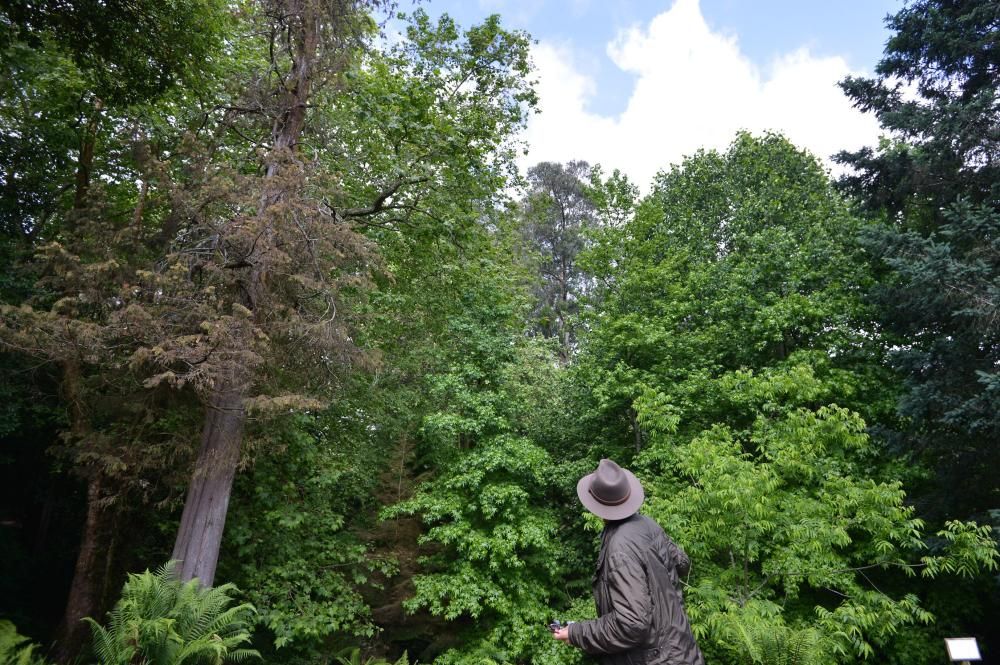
(621, 511)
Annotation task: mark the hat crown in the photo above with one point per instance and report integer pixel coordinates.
(610, 485)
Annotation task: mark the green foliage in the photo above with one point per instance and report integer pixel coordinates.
(163, 621)
(131, 51)
(935, 183)
(794, 525)
(16, 649)
(40, 92)
(408, 152)
(932, 190)
(971, 550)
(942, 142)
(353, 657)
(732, 325)
(431, 125)
(74, 76)
(757, 639)
(942, 300)
(735, 260)
(728, 336)
(292, 542)
(491, 541)
(423, 133)
(486, 510)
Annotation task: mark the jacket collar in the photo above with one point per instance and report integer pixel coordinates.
(607, 535)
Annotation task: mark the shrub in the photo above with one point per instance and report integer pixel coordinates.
(160, 620)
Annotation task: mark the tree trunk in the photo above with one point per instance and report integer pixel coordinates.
(84, 592)
(137, 212)
(44, 523)
(109, 596)
(86, 587)
(85, 163)
(633, 419)
(88, 581)
(200, 535)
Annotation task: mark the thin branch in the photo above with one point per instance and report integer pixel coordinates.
(379, 204)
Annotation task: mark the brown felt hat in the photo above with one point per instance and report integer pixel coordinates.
(611, 492)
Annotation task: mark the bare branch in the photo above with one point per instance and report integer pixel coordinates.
(379, 204)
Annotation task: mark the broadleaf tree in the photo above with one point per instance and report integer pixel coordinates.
(735, 329)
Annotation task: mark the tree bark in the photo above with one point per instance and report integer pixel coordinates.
(85, 163)
(87, 584)
(633, 419)
(44, 523)
(84, 592)
(137, 212)
(204, 519)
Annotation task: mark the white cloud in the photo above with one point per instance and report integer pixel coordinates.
(694, 89)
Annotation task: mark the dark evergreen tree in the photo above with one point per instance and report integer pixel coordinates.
(936, 184)
(936, 94)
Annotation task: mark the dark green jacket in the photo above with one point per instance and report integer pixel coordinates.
(641, 619)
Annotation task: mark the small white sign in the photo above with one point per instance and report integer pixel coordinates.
(962, 648)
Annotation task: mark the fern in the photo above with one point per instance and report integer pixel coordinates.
(763, 642)
(16, 649)
(160, 620)
(352, 656)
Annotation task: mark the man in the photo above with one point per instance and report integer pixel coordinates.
(641, 619)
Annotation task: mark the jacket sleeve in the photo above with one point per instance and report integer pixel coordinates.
(678, 558)
(626, 625)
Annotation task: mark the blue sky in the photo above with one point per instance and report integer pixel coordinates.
(672, 76)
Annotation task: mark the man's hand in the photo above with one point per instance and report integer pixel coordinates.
(562, 634)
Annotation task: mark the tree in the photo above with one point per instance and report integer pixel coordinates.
(731, 322)
(558, 214)
(39, 97)
(310, 43)
(933, 187)
(296, 534)
(490, 541)
(941, 140)
(259, 306)
(125, 54)
(740, 252)
(941, 299)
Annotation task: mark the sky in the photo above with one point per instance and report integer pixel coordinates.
(638, 84)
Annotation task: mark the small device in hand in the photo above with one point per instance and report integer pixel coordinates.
(556, 625)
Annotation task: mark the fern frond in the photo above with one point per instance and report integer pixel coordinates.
(16, 649)
(242, 655)
(160, 620)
